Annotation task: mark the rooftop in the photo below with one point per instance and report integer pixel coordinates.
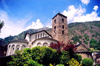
(60, 15)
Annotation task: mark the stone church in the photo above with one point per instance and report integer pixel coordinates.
(42, 38)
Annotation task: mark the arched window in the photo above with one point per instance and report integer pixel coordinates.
(62, 26)
(23, 46)
(41, 34)
(62, 20)
(38, 35)
(13, 47)
(9, 46)
(35, 36)
(55, 21)
(17, 47)
(62, 32)
(39, 44)
(54, 27)
(45, 44)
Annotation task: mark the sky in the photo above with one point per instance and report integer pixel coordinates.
(21, 15)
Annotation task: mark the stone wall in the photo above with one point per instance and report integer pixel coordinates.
(38, 35)
(60, 28)
(43, 42)
(12, 47)
(85, 55)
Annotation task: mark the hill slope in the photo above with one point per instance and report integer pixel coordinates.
(87, 33)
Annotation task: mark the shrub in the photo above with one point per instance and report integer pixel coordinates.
(27, 50)
(17, 52)
(35, 56)
(44, 55)
(97, 65)
(78, 58)
(76, 39)
(87, 62)
(85, 42)
(93, 43)
(60, 65)
(70, 47)
(32, 63)
(50, 64)
(73, 62)
(50, 55)
(18, 60)
(64, 57)
(86, 37)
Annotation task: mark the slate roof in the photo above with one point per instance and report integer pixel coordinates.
(60, 15)
(37, 32)
(47, 38)
(21, 40)
(83, 46)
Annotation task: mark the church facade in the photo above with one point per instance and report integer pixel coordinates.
(42, 38)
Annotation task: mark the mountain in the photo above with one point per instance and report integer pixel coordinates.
(6, 40)
(87, 33)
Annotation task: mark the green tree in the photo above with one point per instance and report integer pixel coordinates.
(85, 42)
(87, 62)
(64, 57)
(44, 55)
(76, 39)
(60, 65)
(86, 37)
(18, 59)
(23, 58)
(93, 43)
(78, 57)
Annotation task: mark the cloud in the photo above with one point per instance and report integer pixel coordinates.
(48, 23)
(73, 12)
(95, 7)
(10, 27)
(86, 2)
(88, 17)
(14, 26)
(36, 25)
(78, 14)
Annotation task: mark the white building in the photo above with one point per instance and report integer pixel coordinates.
(41, 38)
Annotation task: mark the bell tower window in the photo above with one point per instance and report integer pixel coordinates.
(54, 27)
(62, 20)
(62, 26)
(55, 21)
(62, 32)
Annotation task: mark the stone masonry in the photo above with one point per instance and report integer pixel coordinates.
(60, 28)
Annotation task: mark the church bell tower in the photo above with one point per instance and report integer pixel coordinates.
(60, 28)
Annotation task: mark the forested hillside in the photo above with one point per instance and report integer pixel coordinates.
(87, 33)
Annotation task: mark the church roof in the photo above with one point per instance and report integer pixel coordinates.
(41, 31)
(46, 38)
(38, 32)
(21, 40)
(60, 15)
(81, 50)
